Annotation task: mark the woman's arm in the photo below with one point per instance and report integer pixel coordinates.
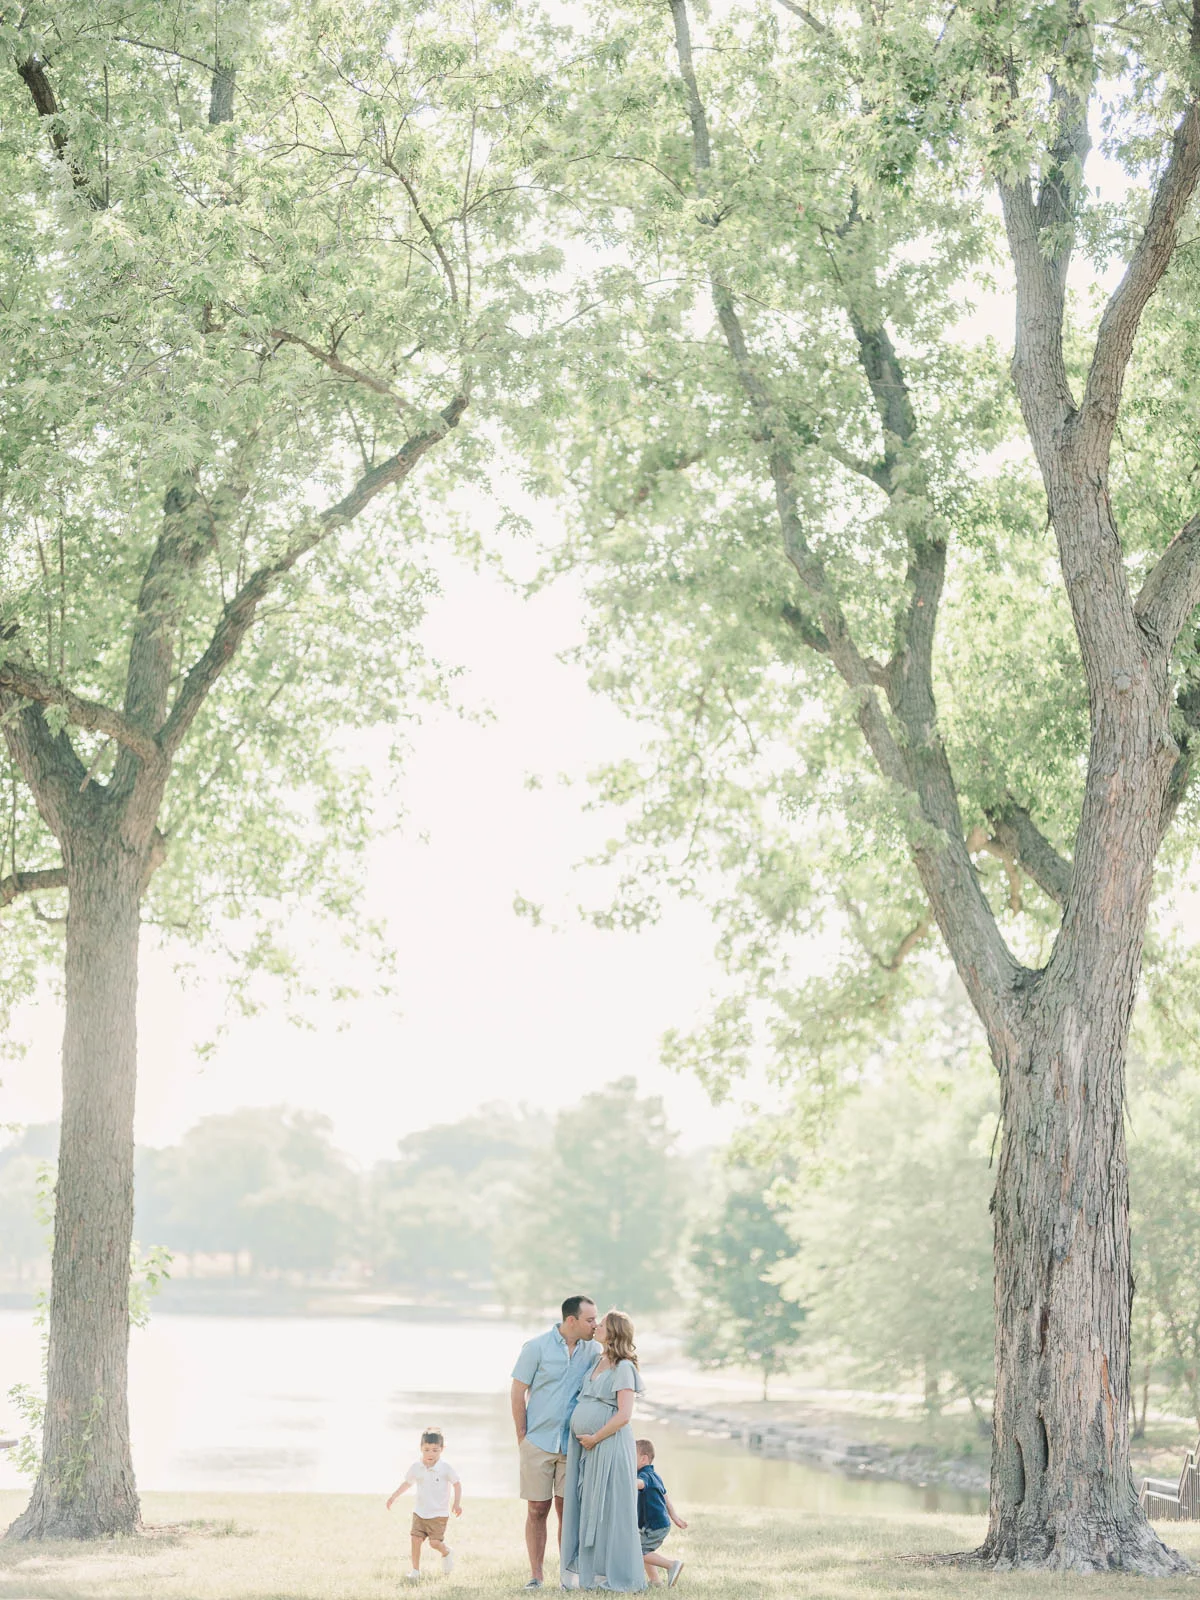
(621, 1418)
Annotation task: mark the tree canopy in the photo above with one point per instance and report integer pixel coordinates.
(227, 337)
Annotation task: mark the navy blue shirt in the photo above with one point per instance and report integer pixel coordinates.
(652, 1500)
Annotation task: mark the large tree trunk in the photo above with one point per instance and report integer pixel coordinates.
(1062, 1492)
(86, 1488)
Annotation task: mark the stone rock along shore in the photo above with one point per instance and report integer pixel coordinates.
(829, 1448)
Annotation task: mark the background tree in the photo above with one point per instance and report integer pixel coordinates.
(25, 1163)
(602, 1210)
(742, 1317)
(262, 1180)
(436, 1214)
(255, 264)
(890, 668)
(894, 1250)
(1165, 1194)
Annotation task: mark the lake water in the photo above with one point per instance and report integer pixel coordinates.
(336, 1404)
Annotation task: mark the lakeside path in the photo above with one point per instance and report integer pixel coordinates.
(347, 1547)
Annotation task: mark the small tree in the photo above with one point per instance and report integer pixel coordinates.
(263, 1180)
(894, 1260)
(742, 1317)
(436, 1213)
(604, 1212)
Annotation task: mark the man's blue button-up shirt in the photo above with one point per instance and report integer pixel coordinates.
(555, 1377)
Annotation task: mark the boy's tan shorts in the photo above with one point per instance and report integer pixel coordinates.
(429, 1527)
(543, 1472)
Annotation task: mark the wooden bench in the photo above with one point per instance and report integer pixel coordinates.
(1164, 1501)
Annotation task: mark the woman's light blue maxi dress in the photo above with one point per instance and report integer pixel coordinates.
(600, 1533)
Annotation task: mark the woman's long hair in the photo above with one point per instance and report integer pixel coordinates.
(618, 1338)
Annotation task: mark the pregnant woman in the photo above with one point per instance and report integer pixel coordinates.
(600, 1533)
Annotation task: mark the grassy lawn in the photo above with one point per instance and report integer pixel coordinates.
(346, 1547)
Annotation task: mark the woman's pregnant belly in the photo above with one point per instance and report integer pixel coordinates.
(589, 1416)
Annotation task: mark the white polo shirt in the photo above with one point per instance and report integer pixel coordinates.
(433, 1485)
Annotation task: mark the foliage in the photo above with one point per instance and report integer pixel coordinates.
(894, 1257)
(742, 1317)
(222, 315)
(601, 1213)
(436, 1214)
(1164, 1163)
(267, 1181)
(841, 224)
(26, 1194)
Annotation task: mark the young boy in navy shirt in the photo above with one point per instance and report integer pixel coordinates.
(655, 1516)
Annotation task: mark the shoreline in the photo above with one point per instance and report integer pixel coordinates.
(825, 1446)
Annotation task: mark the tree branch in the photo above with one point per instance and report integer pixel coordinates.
(18, 883)
(1171, 590)
(428, 226)
(34, 74)
(29, 684)
(1123, 313)
(1187, 706)
(1020, 838)
(919, 767)
(220, 99)
(47, 761)
(334, 362)
(903, 950)
(189, 529)
(805, 15)
(239, 614)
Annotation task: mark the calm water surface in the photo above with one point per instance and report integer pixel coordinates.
(336, 1405)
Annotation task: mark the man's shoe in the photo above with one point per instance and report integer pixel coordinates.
(534, 1583)
(414, 1576)
(448, 1561)
(673, 1572)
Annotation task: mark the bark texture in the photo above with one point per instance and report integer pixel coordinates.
(86, 1486)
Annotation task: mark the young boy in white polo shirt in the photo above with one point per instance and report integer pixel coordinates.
(433, 1480)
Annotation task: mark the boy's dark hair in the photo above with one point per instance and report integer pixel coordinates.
(572, 1305)
(644, 1447)
(432, 1436)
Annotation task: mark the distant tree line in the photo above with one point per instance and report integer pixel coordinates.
(507, 1203)
(866, 1241)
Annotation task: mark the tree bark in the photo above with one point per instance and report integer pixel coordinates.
(86, 1488)
(1062, 1493)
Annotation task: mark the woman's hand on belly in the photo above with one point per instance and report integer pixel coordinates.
(588, 1441)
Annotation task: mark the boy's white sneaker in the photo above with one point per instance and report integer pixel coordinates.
(414, 1576)
(673, 1572)
(448, 1561)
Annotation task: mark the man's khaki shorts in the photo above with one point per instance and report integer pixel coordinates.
(429, 1527)
(543, 1472)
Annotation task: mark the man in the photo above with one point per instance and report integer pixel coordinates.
(546, 1382)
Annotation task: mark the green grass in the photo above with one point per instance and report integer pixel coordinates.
(347, 1547)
